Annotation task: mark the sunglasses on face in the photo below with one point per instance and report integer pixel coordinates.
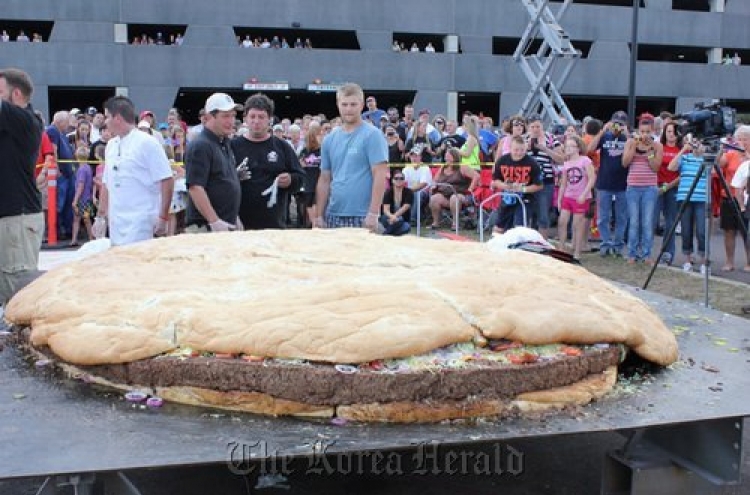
(398, 178)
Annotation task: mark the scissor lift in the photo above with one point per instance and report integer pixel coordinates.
(548, 68)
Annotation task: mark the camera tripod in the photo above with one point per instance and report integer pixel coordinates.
(709, 163)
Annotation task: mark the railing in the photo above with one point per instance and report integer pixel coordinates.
(518, 197)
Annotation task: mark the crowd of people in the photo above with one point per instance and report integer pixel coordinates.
(414, 47)
(159, 39)
(22, 37)
(133, 176)
(275, 42)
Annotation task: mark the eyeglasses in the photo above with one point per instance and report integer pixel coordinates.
(518, 122)
(439, 122)
(398, 178)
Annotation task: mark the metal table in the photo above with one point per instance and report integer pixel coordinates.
(684, 425)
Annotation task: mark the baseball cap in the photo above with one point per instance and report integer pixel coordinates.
(75, 111)
(163, 126)
(221, 102)
(144, 124)
(620, 117)
(91, 110)
(278, 127)
(145, 113)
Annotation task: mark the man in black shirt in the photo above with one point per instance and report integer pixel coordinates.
(269, 169)
(21, 219)
(521, 175)
(213, 186)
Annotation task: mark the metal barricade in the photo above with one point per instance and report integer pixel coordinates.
(519, 198)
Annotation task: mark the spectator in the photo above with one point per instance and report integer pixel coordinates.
(414, 47)
(578, 177)
(46, 152)
(269, 168)
(395, 46)
(395, 145)
(398, 202)
(547, 151)
(284, 43)
(247, 42)
(197, 129)
(22, 36)
(424, 116)
(642, 157)
(419, 143)
(81, 137)
(37, 38)
(438, 122)
(137, 182)
(429, 48)
(57, 134)
(178, 39)
(515, 126)
(21, 219)
(353, 181)
(4, 37)
(451, 139)
(310, 160)
(179, 200)
(452, 189)
(667, 181)
(159, 38)
(517, 173)
(266, 43)
(295, 139)
(729, 162)
(298, 43)
(308, 44)
(469, 151)
(275, 43)
(688, 163)
(373, 113)
(418, 177)
(736, 60)
(83, 201)
(611, 182)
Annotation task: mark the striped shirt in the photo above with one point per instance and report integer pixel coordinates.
(640, 173)
(689, 167)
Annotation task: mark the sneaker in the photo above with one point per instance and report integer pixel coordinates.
(687, 267)
(666, 258)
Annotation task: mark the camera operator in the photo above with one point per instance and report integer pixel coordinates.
(729, 162)
(642, 157)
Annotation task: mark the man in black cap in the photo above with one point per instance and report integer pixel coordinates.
(611, 183)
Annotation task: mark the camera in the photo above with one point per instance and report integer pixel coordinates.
(708, 122)
(390, 133)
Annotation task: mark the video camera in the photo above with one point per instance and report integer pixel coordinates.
(708, 121)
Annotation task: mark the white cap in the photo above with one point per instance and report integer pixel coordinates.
(221, 102)
(144, 124)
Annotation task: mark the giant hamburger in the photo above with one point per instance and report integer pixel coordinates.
(339, 323)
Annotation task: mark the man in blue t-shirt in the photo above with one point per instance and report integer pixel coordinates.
(353, 167)
(611, 183)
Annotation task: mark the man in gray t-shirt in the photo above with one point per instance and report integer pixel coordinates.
(353, 168)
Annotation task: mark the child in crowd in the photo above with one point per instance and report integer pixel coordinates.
(577, 180)
(179, 201)
(83, 203)
(98, 184)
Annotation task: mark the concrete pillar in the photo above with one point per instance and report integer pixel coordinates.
(121, 33)
(452, 105)
(717, 5)
(715, 55)
(450, 43)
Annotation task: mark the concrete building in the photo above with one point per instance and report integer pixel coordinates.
(88, 53)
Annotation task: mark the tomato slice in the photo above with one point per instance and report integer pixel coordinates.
(523, 358)
(571, 351)
(504, 346)
(252, 359)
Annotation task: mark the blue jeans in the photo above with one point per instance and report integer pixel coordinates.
(641, 206)
(694, 215)
(543, 202)
(667, 203)
(604, 207)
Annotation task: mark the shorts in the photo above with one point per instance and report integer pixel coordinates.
(84, 209)
(575, 207)
(728, 215)
(336, 222)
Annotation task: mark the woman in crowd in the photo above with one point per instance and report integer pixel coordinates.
(421, 141)
(642, 157)
(310, 160)
(452, 188)
(395, 145)
(469, 152)
(81, 136)
(577, 180)
(516, 126)
(667, 181)
(177, 143)
(688, 164)
(398, 201)
(438, 122)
